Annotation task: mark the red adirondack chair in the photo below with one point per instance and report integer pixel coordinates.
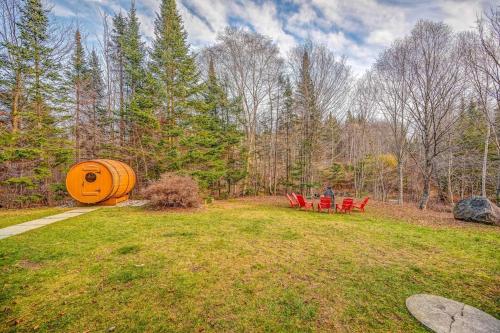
(325, 203)
(361, 205)
(346, 207)
(303, 203)
(293, 202)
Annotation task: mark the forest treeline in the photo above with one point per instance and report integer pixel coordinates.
(422, 125)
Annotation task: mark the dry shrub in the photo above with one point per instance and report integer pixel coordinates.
(173, 190)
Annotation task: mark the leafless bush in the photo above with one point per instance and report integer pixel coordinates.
(173, 190)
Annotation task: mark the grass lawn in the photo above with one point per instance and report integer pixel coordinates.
(239, 266)
(14, 216)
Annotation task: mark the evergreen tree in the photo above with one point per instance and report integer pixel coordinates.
(40, 149)
(288, 124)
(210, 136)
(36, 56)
(469, 137)
(79, 74)
(98, 113)
(140, 104)
(118, 45)
(306, 102)
(229, 112)
(175, 72)
(133, 52)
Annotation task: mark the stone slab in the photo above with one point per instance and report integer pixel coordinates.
(38, 223)
(13, 229)
(132, 203)
(442, 315)
(83, 210)
(44, 221)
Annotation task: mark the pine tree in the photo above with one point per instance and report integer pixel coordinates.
(469, 144)
(210, 136)
(228, 113)
(118, 45)
(288, 126)
(133, 52)
(175, 72)
(36, 54)
(79, 80)
(98, 113)
(140, 103)
(306, 102)
(40, 148)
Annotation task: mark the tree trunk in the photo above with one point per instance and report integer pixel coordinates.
(450, 187)
(425, 194)
(95, 153)
(122, 105)
(485, 160)
(401, 182)
(275, 152)
(77, 123)
(38, 97)
(248, 163)
(16, 119)
(498, 189)
(287, 156)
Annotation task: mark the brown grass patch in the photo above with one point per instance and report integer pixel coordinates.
(28, 264)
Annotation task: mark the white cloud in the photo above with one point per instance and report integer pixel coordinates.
(146, 26)
(62, 11)
(264, 19)
(360, 15)
(381, 37)
(152, 5)
(358, 56)
(199, 32)
(356, 29)
(461, 15)
(215, 12)
(359, 29)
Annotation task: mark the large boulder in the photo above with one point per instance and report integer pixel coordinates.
(477, 209)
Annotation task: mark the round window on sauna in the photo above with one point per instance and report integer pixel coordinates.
(90, 177)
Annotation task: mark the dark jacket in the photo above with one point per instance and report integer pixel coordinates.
(329, 193)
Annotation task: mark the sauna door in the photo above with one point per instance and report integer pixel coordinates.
(91, 179)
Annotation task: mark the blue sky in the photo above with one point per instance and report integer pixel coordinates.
(358, 29)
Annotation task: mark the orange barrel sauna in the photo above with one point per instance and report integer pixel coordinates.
(103, 182)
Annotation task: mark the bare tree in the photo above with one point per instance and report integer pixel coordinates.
(489, 36)
(323, 83)
(331, 77)
(433, 82)
(481, 83)
(245, 60)
(11, 84)
(391, 68)
(362, 110)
